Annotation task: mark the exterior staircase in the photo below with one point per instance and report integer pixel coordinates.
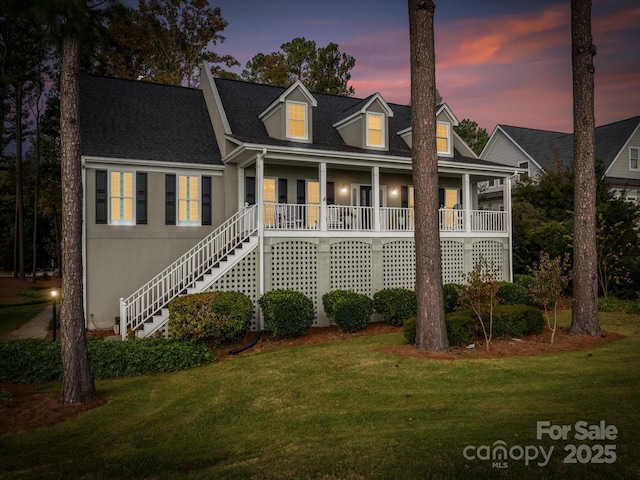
(146, 310)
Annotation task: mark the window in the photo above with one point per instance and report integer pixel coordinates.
(188, 200)
(375, 132)
(442, 138)
(121, 198)
(313, 202)
(633, 158)
(524, 176)
(296, 120)
(269, 199)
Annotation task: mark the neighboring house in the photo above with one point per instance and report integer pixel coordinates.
(617, 146)
(247, 187)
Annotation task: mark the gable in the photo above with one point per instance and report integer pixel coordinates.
(620, 167)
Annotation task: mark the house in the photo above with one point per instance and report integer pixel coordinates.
(248, 187)
(617, 146)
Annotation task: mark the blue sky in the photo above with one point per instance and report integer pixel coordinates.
(496, 61)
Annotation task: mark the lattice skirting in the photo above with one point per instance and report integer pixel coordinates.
(316, 266)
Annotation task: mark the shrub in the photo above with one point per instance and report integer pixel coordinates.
(349, 310)
(409, 330)
(512, 294)
(37, 361)
(523, 280)
(395, 305)
(451, 292)
(462, 328)
(6, 400)
(213, 316)
(287, 313)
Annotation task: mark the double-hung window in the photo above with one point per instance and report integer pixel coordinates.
(297, 120)
(188, 200)
(633, 158)
(443, 141)
(375, 130)
(121, 198)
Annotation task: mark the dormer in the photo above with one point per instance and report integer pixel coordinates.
(445, 121)
(289, 117)
(366, 124)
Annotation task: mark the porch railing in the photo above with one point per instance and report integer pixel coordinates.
(296, 217)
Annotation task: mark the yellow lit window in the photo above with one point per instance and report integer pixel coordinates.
(374, 130)
(121, 198)
(313, 202)
(188, 200)
(442, 138)
(296, 120)
(269, 199)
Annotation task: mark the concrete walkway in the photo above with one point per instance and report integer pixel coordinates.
(37, 327)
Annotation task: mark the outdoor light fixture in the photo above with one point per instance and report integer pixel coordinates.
(394, 192)
(344, 189)
(54, 294)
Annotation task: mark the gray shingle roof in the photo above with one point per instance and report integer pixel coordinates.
(542, 145)
(145, 121)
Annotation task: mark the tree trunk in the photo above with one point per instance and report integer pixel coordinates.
(431, 332)
(35, 205)
(584, 318)
(77, 381)
(19, 194)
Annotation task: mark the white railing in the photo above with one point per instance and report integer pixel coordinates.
(183, 273)
(296, 217)
(488, 221)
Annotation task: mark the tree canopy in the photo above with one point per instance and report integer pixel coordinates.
(472, 134)
(323, 69)
(163, 41)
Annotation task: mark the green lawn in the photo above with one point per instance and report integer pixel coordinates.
(344, 411)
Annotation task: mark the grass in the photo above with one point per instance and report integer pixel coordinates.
(342, 410)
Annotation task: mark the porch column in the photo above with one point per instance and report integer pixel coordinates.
(466, 201)
(375, 182)
(241, 192)
(322, 174)
(506, 195)
(260, 207)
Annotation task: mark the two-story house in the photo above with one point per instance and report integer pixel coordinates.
(247, 187)
(617, 146)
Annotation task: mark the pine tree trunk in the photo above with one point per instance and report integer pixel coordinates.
(431, 332)
(584, 318)
(77, 381)
(19, 184)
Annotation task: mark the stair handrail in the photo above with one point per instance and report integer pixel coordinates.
(149, 299)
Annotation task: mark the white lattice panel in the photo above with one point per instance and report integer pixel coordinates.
(399, 264)
(492, 252)
(294, 265)
(452, 257)
(350, 267)
(242, 278)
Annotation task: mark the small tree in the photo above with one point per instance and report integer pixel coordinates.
(479, 294)
(550, 278)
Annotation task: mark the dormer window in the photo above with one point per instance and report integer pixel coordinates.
(297, 120)
(375, 130)
(443, 137)
(633, 158)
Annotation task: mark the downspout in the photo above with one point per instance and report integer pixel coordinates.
(507, 192)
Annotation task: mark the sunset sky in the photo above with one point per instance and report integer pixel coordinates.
(496, 61)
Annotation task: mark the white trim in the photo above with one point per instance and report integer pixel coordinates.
(84, 243)
(216, 96)
(637, 149)
(449, 150)
(354, 116)
(635, 131)
(517, 145)
(445, 108)
(124, 223)
(151, 165)
(189, 224)
(282, 98)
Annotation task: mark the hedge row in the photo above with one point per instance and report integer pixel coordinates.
(349, 310)
(37, 361)
(463, 326)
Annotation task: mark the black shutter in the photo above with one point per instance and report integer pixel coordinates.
(441, 197)
(331, 199)
(101, 196)
(404, 197)
(301, 196)
(141, 198)
(282, 190)
(250, 189)
(170, 200)
(206, 200)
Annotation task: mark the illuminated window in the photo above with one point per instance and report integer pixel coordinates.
(121, 198)
(375, 133)
(296, 120)
(188, 200)
(442, 138)
(412, 203)
(269, 199)
(313, 202)
(633, 158)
